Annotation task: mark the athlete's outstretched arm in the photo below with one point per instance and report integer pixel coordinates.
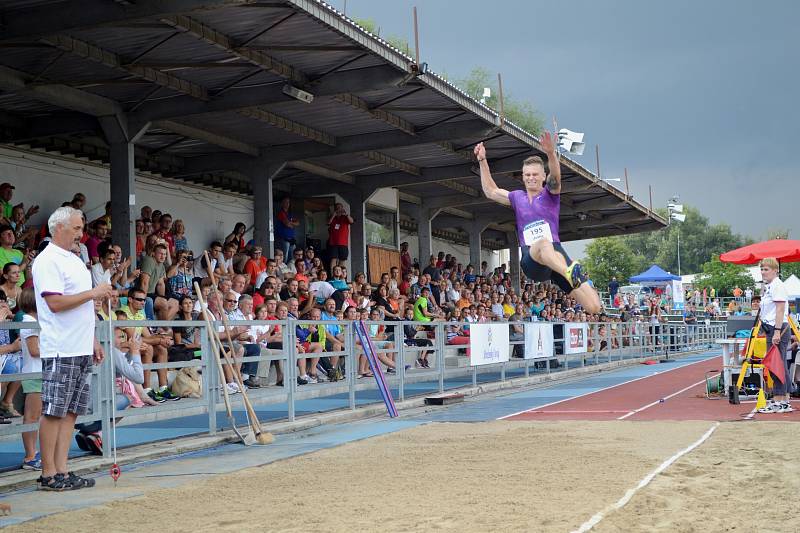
(490, 188)
(553, 181)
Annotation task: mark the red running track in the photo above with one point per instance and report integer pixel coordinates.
(682, 391)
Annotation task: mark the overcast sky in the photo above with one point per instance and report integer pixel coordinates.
(696, 98)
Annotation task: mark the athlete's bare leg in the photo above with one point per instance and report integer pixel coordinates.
(543, 253)
(588, 298)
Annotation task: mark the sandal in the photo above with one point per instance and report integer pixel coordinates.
(56, 483)
(7, 410)
(78, 482)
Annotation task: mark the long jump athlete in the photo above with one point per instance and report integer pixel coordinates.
(537, 209)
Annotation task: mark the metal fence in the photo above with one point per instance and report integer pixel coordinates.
(607, 342)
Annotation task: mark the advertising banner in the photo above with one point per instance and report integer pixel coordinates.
(539, 341)
(576, 337)
(488, 344)
(677, 294)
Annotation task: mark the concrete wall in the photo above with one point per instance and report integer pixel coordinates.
(49, 180)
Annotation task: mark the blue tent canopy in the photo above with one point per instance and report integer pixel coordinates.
(654, 274)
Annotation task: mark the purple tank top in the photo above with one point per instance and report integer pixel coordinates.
(546, 206)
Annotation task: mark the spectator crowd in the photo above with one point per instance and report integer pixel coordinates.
(241, 282)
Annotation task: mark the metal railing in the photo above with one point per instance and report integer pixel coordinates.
(607, 342)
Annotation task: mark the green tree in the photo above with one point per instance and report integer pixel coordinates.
(699, 241)
(521, 113)
(787, 269)
(607, 257)
(724, 277)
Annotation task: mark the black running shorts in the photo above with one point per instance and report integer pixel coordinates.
(538, 272)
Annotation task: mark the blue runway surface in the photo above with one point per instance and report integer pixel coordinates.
(173, 471)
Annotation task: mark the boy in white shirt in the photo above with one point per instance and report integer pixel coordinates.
(775, 324)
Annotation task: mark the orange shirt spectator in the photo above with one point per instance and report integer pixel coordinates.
(255, 265)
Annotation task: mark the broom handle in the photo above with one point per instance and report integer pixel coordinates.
(214, 348)
(237, 376)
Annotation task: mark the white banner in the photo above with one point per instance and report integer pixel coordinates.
(488, 344)
(677, 294)
(539, 341)
(576, 337)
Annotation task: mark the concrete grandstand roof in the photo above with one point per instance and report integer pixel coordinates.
(204, 81)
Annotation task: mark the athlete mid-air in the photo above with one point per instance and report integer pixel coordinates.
(537, 209)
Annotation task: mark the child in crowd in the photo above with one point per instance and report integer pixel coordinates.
(32, 388)
(10, 361)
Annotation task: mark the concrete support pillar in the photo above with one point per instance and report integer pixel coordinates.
(121, 137)
(356, 198)
(263, 206)
(424, 215)
(513, 267)
(476, 228)
(123, 198)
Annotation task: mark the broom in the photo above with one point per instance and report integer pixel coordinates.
(261, 436)
(247, 439)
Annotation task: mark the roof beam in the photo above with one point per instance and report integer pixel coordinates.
(305, 47)
(355, 80)
(437, 174)
(391, 162)
(207, 136)
(380, 114)
(71, 16)
(57, 94)
(344, 145)
(110, 59)
(591, 233)
(224, 42)
(454, 200)
(324, 172)
(603, 202)
(286, 124)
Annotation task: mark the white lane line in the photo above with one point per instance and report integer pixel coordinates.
(751, 414)
(651, 404)
(606, 388)
(594, 520)
(569, 412)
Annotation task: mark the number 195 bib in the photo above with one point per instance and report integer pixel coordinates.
(536, 230)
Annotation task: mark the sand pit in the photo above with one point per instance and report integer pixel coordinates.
(507, 476)
(745, 478)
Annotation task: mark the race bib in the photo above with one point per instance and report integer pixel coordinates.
(535, 231)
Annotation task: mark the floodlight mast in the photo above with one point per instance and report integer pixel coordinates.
(676, 213)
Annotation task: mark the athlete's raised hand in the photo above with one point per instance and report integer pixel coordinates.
(480, 151)
(548, 145)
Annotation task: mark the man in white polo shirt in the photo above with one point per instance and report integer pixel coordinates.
(67, 345)
(775, 324)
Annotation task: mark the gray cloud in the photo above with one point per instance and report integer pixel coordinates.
(694, 98)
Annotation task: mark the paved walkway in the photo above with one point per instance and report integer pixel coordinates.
(173, 471)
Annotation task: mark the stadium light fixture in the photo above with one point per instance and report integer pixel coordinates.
(676, 213)
(571, 141)
(487, 93)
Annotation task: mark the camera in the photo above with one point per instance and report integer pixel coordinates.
(189, 258)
